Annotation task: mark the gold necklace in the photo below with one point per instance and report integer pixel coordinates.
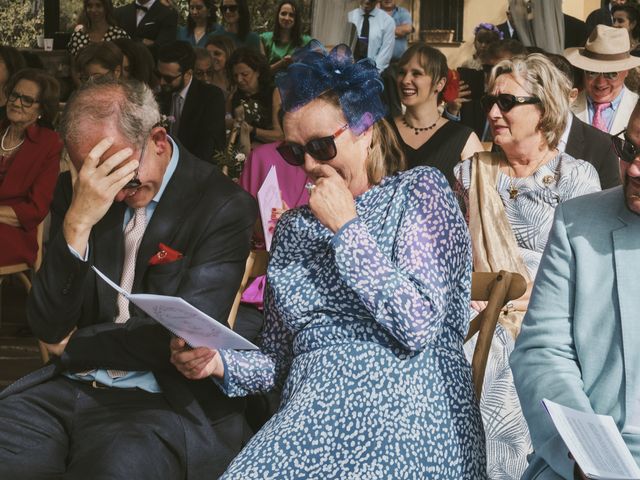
(513, 191)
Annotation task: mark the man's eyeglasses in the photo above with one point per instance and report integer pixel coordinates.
(626, 150)
(135, 181)
(505, 101)
(607, 75)
(229, 8)
(200, 74)
(167, 78)
(25, 100)
(322, 149)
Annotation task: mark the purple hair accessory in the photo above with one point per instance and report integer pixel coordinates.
(313, 72)
(488, 26)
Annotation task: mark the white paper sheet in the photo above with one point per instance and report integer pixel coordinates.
(183, 319)
(595, 443)
(269, 198)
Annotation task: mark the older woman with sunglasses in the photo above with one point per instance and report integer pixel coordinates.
(29, 163)
(364, 308)
(509, 198)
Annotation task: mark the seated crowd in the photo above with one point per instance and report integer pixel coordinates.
(398, 177)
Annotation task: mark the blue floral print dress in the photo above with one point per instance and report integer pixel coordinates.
(364, 333)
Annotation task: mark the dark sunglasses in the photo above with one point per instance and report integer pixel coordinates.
(167, 78)
(606, 75)
(25, 100)
(626, 150)
(229, 8)
(505, 101)
(322, 149)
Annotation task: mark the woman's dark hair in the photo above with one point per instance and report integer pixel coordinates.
(211, 19)
(105, 54)
(141, 62)
(252, 59)
(224, 43)
(244, 22)
(12, 59)
(49, 92)
(108, 12)
(296, 30)
(632, 14)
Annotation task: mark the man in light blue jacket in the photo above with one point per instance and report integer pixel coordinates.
(580, 340)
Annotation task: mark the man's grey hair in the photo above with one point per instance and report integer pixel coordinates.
(129, 105)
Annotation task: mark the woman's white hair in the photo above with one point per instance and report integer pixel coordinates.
(538, 76)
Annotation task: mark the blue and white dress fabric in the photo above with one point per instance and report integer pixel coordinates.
(530, 215)
(364, 333)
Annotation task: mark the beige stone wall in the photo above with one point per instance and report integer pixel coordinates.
(493, 11)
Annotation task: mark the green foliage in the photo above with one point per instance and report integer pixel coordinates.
(21, 25)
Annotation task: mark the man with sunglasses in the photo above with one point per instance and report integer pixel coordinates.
(605, 60)
(579, 341)
(155, 219)
(196, 109)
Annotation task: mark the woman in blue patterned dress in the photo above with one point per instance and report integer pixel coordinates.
(368, 289)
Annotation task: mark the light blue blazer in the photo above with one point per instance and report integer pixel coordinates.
(580, 340)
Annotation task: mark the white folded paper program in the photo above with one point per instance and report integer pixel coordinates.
(184, 320)
(268, 199)
(595, 443)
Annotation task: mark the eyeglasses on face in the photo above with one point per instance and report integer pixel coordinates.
(135, 181)
(229, 8)
(606, 75)
(25, 100)
(203, 73)
(167, 78)
(626, 150)
(506, 101)
(322, 149)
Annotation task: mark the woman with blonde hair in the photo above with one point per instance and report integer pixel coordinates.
(509, 198)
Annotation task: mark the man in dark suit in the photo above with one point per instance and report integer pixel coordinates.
(148, 21)
(594, 146)
(157, 220)
(197, 109)
(602, 15)
(507, 29)
(575, 32)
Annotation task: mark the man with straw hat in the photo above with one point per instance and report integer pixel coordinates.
(605, 102)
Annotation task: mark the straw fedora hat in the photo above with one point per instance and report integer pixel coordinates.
(606, 50)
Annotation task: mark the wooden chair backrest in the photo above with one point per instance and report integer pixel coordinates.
(256, 265)
(497, 289)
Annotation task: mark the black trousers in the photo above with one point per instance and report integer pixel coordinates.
(65, 429)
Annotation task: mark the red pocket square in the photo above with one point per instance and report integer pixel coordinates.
(165, 255)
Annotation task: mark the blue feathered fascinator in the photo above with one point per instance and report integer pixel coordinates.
(314, 72)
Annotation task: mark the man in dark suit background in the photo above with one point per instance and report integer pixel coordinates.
(149, 22)
(197, 109)
(507, 29)
(157, 220)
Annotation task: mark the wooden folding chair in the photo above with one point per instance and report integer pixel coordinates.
(497, 289)
(256, 265)
(21, 270)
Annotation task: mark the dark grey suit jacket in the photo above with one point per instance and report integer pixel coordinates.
(159, 24)
(202, 129)
(590, 144)
(207, 218)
